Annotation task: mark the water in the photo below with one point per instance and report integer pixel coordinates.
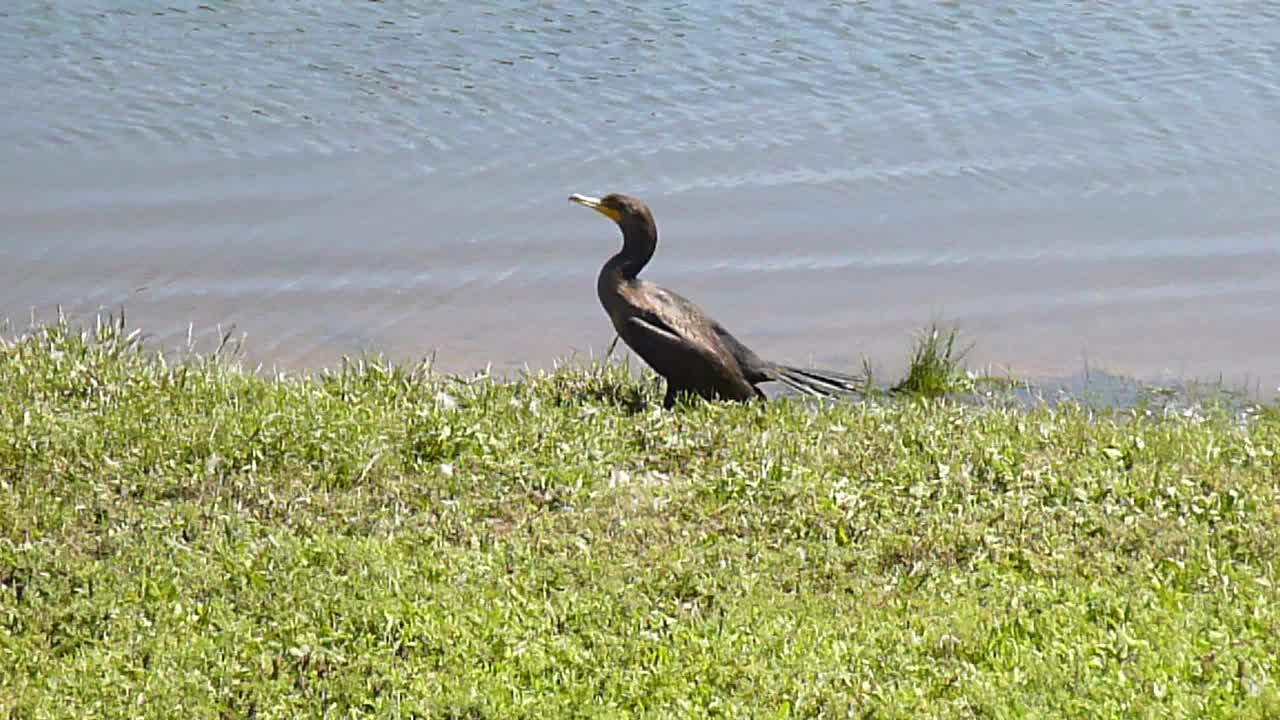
(1071, 182)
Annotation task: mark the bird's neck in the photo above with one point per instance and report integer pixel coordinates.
(638, 245)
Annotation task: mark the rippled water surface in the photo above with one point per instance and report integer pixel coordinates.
(1065, 180)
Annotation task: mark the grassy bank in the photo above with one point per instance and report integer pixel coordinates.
(186, 540)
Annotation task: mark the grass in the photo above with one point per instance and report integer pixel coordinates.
(936, 365)
(182, 539)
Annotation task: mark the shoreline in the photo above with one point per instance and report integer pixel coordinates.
(1094, 383)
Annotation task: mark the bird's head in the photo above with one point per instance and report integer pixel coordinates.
(625, 210)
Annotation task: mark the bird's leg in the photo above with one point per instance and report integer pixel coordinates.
(612, 345)
(669, 401)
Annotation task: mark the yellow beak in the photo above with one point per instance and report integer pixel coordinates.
(594, 204)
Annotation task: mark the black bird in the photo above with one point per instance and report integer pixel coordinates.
(675, 337)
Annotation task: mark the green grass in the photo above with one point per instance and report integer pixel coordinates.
(936, 365)
(182, 539)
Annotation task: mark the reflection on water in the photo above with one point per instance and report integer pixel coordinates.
(1063, 180)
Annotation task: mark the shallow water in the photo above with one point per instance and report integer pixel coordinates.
(1072, 183)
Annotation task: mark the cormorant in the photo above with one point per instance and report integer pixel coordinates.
(693, 352)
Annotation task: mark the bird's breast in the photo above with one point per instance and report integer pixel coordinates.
(620, 298)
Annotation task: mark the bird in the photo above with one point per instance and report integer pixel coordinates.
(691, 351)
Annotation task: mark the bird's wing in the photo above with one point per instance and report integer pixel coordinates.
(684, 361)
(661, 345)
(676, 337)
(755, 369)
(655, 325)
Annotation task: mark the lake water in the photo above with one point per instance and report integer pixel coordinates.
(1072, 183)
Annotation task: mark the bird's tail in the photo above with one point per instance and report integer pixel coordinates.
(820, 383)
